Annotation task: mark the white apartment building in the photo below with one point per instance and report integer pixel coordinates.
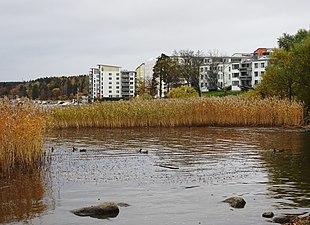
(106, 81)
(240, 71)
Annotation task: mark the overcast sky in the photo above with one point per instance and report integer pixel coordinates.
(40, 38)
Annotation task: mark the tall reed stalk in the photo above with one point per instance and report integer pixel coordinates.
(214, 111)
(21, 136)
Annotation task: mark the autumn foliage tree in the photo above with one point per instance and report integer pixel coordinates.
(48, 88)
(288, 75)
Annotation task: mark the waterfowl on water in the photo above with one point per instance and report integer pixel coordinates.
(52, 149)
(74, 149)
(143, 151)
(82, 150)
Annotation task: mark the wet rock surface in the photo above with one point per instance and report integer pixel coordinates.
(235, 202)
(102, 211)
(268, 214)
(281, 219)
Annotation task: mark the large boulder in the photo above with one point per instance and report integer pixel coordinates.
(236, 202)
(102, 211)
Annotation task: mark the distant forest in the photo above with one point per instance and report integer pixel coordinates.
(48, 88)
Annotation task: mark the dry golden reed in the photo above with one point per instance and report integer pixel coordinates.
(205, 111)
(21, 136)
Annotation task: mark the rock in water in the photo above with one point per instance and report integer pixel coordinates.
(281, 219)
(235, 202)
(268, 214)
(123, 204)
(102, 211)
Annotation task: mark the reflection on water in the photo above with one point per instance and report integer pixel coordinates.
(268, 167)
(288, 170)
(22, 197)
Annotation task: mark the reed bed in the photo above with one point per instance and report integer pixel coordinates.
(205, 111)
(21, 136)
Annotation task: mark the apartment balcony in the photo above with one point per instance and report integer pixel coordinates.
(245, 78)
(245, 69)
(125, 90)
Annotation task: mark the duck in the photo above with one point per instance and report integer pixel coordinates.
(83, 150)
(143, 151)
(74, 149)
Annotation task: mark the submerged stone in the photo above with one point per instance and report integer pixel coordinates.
(102, 211)
(123, 204)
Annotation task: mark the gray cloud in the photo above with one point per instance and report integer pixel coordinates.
(66, 37)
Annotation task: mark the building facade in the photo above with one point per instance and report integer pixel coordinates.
(106, 81)
(241, 71)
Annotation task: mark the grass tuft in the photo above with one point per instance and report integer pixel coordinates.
(21, 136)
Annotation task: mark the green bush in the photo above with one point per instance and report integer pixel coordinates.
(182, 92)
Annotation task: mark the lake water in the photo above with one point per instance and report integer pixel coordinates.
(183, 179)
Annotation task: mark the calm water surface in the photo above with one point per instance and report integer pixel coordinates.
(213, 163)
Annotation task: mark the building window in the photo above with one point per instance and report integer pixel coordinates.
(131, 78)
(117, 74)
(235, 83)
(110, 78)
(229, 68)
(110, 82)
(201, 77)
(202, 85)
(235, 74)
(235, 66)
(255, 65)
(117, 91)
(256, 82)
(110, 87)
(117, 82)
(201, 69)
(117, 78)
(117, 87)
(131, 82)
(110, 91)
(262, 65)
(110, 74)
(262, 72)
(256, 74)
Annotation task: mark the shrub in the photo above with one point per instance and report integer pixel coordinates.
(182, 92)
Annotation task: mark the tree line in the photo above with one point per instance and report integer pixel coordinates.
(48, 88)
(288, 75)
